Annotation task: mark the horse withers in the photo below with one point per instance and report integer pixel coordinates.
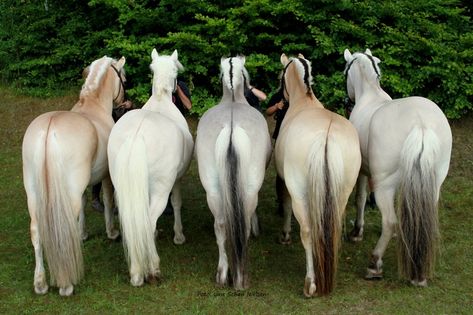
(317, 155)
(149, 151)
(233, 148)
(63, 153)
(406, 146)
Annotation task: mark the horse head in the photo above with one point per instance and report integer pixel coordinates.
(296, 74)
(165, 69)
(360, 66)
(234, 76)
(96, 75)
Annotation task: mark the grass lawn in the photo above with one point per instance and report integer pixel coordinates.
(276, 272)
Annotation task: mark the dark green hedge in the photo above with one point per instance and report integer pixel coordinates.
(426, 46)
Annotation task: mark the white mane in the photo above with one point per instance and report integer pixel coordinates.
(165, 70)
(233, 72)
(98, 68)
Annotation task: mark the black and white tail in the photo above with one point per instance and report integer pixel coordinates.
(418, 205)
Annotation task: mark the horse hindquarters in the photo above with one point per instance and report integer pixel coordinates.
(130, 179)
(54, 208)
(417, 210)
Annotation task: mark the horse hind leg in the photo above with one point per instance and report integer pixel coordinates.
(356, 234)
(176, 201)
(82, 230)
(285, 199)
(107, 187)
(385, 201)
(40, 283)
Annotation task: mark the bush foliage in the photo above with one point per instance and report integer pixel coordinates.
(426, 46)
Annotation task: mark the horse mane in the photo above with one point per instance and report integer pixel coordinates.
(304, 70)
(167, 69)
(96, 73)
(367, 62)
(233, 72)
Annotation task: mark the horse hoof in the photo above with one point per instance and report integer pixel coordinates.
(154, 279)
(309, 288)
(373, 274)
(221, 278)
(417, 283)
(67, 291)
(356, 235)
(113, 235)
(179, 239)
(285, 239)
(136, 280)
(41, 289)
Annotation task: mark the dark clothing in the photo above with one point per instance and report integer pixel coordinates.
(177, 101)
(252, 99)
(279, 115)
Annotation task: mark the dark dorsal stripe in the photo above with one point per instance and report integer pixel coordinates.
(231, 78)
(306, 73)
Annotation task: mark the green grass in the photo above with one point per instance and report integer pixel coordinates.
(276, 272)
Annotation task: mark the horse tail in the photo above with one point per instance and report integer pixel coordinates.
(57, 224)
(417, 206)
(132, 195)
(325, 209)
(230, 149)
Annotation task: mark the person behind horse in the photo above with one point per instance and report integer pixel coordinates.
(254, 96)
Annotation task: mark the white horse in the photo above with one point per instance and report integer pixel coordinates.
(233, 148)
(149, 151)
(63, 153)
(317, 155)
(406, 146)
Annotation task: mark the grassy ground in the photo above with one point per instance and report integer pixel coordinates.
(277, 272)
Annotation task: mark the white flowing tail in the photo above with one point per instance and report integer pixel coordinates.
(58, 226)
(132, 194)
(417, 210)
(325, 209)
(232, 154)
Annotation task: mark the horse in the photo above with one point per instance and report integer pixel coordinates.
(149, 151)
(233, 149)
(406, 146)
(63, 152)
(318, 157)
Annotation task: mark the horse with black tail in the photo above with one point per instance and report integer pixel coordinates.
(63, 153)
(233, 148)
(317, 155)
(406, 146)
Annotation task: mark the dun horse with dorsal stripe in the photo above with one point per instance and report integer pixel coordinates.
(317, 155)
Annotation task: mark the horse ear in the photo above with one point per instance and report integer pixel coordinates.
(300, 56)
(348, 56)
(368, 52)
(154, 54)
(121, 62)
(284, 59)
(174, 55)
(242, 58)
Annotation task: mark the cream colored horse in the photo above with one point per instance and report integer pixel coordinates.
(406, 146)
(63, 153)
(233, 148)
(149, 151)
(318, 157)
